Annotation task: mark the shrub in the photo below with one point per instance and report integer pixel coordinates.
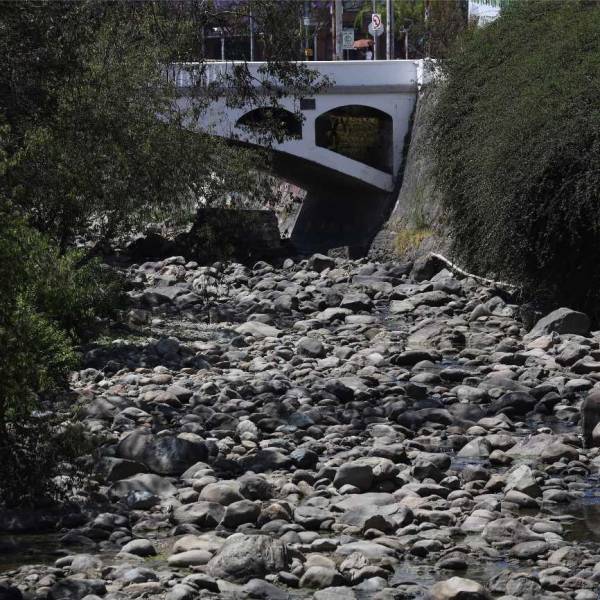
(43, 297)
(516, 139)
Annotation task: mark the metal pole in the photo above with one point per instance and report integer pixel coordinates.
(374, 3)
(332, 13)
(406, 44)
(251, 34)
(339, 34)
(222, 46)
(315, 40)
(388, 30)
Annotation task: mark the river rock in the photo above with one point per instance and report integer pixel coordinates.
(244, 557)
(165, 455)
(458, 588)
(562, 321)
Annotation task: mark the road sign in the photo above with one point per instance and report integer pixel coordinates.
(348, 39)
(376, 32)
(376, 21)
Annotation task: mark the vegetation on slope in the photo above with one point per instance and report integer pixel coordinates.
(516, 139)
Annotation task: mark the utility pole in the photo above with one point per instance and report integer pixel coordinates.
(251, 33)
(339, 33)
(374, 3)
(389, 30)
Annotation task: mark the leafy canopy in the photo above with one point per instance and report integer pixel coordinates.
(97, 142)
(515, 134)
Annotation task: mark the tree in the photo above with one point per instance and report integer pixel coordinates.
(515, 134)
(98, 143)
(92, 144)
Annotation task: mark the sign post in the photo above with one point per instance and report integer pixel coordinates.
(375, 29)
(348, 38)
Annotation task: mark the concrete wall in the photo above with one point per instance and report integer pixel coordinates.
(414, 225)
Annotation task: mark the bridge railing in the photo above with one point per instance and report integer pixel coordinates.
(190, 74)
(340, 73)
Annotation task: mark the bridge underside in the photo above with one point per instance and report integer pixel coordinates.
(337, 210)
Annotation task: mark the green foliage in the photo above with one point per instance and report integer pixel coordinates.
(47, 302)
(41, 460)
(98, 144)
(37, 353)
(93, 144)
(516, 138)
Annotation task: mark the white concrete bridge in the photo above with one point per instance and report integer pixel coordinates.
(355, 128)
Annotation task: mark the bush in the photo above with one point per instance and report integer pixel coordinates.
(516, 139)
(43, 298)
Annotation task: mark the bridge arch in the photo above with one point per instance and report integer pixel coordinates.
(271, 121)
(360, 132)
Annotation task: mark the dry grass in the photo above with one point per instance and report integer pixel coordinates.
(408, 240)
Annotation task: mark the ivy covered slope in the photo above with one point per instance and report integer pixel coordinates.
(516, 138)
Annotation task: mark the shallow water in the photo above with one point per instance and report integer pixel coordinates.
(17, 550)
(425, 576)
(584, 524)
(31, 549)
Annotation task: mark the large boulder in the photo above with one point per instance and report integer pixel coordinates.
(146, 483)
(200, 514)
(356, 474)
(320, 262)
(561, 320)
(244, 557)
(590, 417)
(165, 455)
(425, 267)
(458, 588)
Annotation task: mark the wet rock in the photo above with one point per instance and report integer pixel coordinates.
(244, 557)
